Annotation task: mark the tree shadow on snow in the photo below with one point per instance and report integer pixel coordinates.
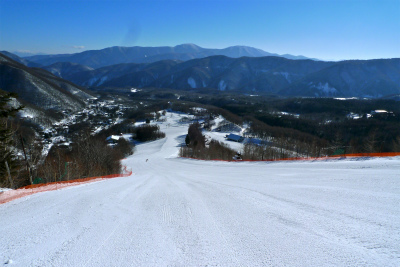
(181, 140)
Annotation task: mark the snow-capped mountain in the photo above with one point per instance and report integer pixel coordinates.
(117, 54)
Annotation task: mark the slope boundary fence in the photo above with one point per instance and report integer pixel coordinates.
(355, 155)
(10, 195)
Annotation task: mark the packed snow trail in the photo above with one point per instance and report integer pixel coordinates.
(182, 212)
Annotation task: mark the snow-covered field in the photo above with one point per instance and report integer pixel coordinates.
(182, 212)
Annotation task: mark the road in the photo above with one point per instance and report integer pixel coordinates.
(182, 212)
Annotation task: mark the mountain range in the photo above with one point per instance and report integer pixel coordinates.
(273, 75)
(245, 74)
(137, 54)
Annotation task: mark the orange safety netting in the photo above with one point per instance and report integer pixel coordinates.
(355, 155)
(10, 195)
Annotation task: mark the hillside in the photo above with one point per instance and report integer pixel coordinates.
(20, 59)
(66, 69)
(267, 75)
(367, 78)
(122, 74)
(39, 87)
(181, 212)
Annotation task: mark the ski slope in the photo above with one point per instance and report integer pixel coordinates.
(182, 212)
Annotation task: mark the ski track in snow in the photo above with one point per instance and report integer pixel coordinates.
(183, 212)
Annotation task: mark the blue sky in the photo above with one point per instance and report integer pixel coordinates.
(324, 29)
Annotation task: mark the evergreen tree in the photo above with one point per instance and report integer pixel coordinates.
(187, 140)
(8, 161)
(196, 138)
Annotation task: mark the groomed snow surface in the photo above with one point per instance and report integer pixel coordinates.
(183, 212)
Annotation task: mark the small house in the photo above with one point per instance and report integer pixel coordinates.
(113, 139)
(235, 138)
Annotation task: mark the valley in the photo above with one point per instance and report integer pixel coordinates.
(174, 211)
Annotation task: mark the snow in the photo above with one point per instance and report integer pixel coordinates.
(135, 90)
(57, 139)
(284, 74)
(222, 85)
(92, 81)
(114, 137)
(379, 111)
(191, 82)
(286, 114)
(127, 137)
(219, 136)
(199, 109)
(353, 116)
(183, 212)
(26, 114)
(325, 88)
(4, 189)
(102, 80)
(217, 121)
(346, 98)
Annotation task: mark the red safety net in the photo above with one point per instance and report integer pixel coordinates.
(10, 195)
(355, 155)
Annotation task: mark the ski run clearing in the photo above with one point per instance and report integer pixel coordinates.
(184, 212)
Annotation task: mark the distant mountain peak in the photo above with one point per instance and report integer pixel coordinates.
(191, 45)
(187, 48)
